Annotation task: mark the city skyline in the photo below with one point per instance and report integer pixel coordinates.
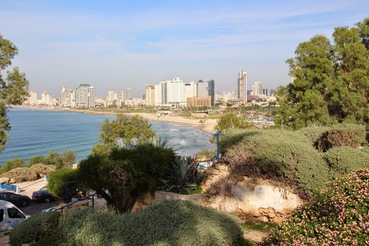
(114, 45)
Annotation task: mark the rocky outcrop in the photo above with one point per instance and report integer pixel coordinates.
(240, 195)
(43, 170)
(24, 174)
(247, 197)
(19, 174)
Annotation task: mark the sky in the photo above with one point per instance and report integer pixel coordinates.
(115, 45)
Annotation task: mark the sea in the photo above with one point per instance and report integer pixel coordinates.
(38, 132)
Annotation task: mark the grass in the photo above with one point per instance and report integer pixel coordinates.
(251, 225)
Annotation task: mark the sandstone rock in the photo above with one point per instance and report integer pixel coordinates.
(212, 191)
(4, 180)
(42, 169)
(20, 174)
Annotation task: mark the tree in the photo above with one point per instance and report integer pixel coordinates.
(231, 120)
(330, 81)
(68, 158)
(9, 165)
(53, 158)
(126, 127)
(62, 180)
(124, 175)
(38, 159)
(13, 89)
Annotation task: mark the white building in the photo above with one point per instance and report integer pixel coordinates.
(257, 89)
(150, 95)
(85, 96)
(242, 86)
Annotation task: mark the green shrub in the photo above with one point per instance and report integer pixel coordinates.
(10, 165)
(325, 138)
(344, 160)
(35, 228)
(275, 154)
(167, 223)
(338, 216)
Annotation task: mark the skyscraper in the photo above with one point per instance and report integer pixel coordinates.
(85, 96)
(242, 86)
(206, 88)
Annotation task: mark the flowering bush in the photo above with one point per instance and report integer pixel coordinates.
(338, 216)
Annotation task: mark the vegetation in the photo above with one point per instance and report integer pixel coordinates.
(205, 153)
(125, 127)
(35, 229)
(9, 165)
(125, 175)
(13, 88)
(331, 81)
(291, 157)
(338, 216)
(62, 181)
(167, 223)
(182, 176)
(231, 120)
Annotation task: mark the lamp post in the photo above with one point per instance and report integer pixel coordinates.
(217, 135)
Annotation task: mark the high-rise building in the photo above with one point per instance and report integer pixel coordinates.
(206, 88)
(129, 93)
(66, 97)
(150, 95)
(191, 89)
(85, 96)
(176, 92)
(242, 86)
(257, 89)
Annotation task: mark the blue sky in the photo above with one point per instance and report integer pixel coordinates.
(115, 45)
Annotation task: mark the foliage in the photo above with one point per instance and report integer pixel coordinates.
(205, 153)
(35, 228)
(167, 223)
(57, 183)
(126, 127)
(331, 81)
(125, 175)
(231, 120)
(296, 157)
(338, 216)
(68, 158)
(13, 89)
(325, 138)
(345, 160)
(182, 175)
(252, 225)
(279, 155)
(9, 165)
(38, 159)
(53, 158)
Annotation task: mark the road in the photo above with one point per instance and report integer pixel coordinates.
(37, 207)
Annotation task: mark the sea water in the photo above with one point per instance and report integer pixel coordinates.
(38, 132)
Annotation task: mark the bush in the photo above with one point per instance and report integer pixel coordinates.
(325, 138)
(275, 154)
(338, 216)
(35, 228)
(344, 160)
(167, 223)
(10, 165)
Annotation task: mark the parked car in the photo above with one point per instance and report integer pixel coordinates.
(42, 195)
(16, 199)
(10, 216)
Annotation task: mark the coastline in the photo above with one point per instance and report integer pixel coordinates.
(206, 125)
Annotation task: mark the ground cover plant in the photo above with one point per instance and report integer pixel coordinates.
(167, 223)
(296, 157)
(338, 216)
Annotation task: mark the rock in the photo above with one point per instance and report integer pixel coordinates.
(42, 169)
(4, 180)
(20, 174)
(212, 191)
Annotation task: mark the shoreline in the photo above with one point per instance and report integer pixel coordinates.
(205, 125)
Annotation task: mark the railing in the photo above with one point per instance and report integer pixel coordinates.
(90, 198)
